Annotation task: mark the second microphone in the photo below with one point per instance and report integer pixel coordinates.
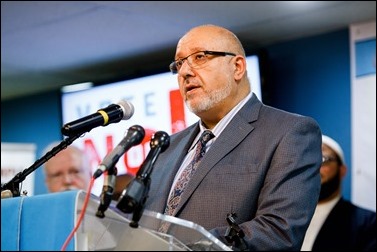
(134, 136)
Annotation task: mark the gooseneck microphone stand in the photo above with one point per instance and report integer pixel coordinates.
(14, 184)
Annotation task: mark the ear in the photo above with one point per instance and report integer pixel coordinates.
(343, 170)
(240, 67)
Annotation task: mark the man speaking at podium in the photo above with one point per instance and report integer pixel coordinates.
(243, 158)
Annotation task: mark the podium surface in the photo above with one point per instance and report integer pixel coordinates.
(43, 222)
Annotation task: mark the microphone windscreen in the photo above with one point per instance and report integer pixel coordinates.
(128, 109)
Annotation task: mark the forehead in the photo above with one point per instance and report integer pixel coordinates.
(63, 157)
(205, 38)
(327, 149)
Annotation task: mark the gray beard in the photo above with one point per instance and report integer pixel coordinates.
(214, 98)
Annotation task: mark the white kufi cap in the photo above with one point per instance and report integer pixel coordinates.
(334, 146)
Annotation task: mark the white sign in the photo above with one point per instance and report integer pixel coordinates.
(15, 158)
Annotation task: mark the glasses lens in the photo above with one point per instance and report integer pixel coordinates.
(195, 60)
(327, 160)
(173, 67)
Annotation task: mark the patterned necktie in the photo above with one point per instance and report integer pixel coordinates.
(175, 196)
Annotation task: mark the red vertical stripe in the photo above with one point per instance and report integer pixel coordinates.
(177, 111)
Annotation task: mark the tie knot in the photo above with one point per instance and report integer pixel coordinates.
(206, 136)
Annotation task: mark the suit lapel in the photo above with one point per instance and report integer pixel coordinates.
(237, 129)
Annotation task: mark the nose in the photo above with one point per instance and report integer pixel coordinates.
(185, 68)
(68, 178)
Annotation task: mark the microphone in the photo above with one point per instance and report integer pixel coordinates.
(234, 234)
(113, 113)
(134, 135)
(136, 193)
(160, 141)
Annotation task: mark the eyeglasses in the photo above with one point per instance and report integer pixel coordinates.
(195, 59)
(326, 160)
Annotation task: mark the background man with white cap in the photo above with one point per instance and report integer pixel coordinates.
(338, 224)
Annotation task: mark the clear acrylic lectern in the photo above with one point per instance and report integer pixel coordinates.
(113, 232)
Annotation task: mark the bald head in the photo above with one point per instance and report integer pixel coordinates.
(213, 37)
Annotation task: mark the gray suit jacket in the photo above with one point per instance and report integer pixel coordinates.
(264, 167)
